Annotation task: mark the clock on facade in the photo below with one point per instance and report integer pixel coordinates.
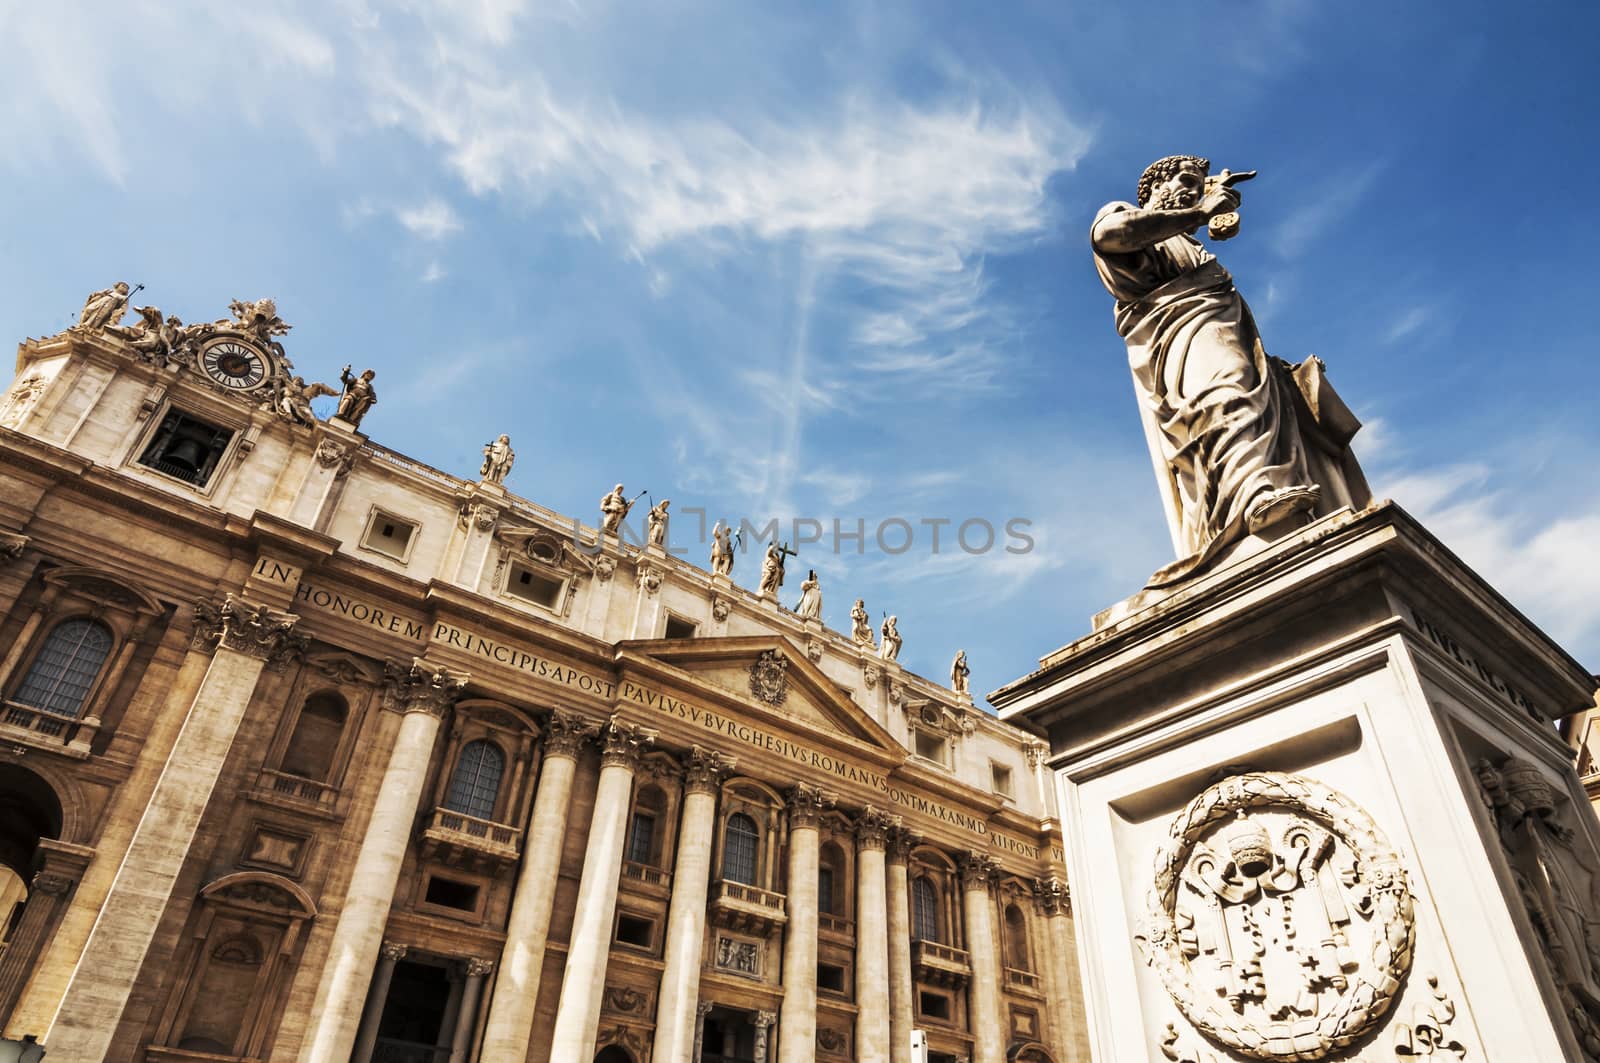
(233, 364)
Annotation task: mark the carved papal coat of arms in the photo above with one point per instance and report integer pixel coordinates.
(1279, 920)
(769, 677)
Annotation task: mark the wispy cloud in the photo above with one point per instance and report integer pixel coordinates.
(431, 220)
(1325, 205)
(1411, 320)
(433, 273)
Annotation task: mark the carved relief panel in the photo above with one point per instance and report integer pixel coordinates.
(1280, 921)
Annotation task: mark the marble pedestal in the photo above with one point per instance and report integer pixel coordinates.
(1316, 808)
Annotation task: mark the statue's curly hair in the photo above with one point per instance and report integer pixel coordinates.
(1162, 169)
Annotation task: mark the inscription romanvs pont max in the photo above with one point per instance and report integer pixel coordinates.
(550, 671)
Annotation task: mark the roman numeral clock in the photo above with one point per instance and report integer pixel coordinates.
(234, 365)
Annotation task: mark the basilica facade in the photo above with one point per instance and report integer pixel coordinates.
(314, 753)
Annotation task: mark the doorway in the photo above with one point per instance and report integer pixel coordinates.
(412, 1029)
(728, 1036)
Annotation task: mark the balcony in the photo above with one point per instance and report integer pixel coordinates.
(939, 964)
(1023, 981)
(747, 909)
(297, 789)
(468, 842)
(30, 726)
(836, 926)
(646, 880)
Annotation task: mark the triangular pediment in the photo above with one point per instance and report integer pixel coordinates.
(739, 672)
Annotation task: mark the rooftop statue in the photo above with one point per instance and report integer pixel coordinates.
(105, 308)
(721, 550)
(498, 458)
(614, 508)
(1241, 441)
(810, 605)
(358, 397)
(772, 568)
(890, 648)
(960, 673)
(861, 625)
(656, 523)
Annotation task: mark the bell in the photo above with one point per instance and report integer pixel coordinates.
(185, 453)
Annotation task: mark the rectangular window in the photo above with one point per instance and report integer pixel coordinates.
(186, 448)
(535, 587)
(825, 890)
(1002, 779)
(679, 628)
(641, 838)
(933, 1005)
(632, 930)
(448, 893)
(389, 535)
(930, 746)
(830, 977)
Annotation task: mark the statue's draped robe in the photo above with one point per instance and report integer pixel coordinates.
(1220, 416)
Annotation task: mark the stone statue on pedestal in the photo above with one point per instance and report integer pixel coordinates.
(498, 458)
(890, 650)
(721, 549)
(105, 308)
(1241, 441)
(861, 625)
(772, 569)
(810, 606)
(613, 510)
(359, 396)
(656, 526)
(959, 673)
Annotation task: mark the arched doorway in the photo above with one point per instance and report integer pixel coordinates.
(31, 893)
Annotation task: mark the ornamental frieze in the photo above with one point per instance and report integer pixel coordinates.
(1280, 921)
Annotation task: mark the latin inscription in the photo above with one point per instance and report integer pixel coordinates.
(1472, 664)
(361, 612)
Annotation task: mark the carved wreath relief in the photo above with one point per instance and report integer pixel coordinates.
(1280, 920)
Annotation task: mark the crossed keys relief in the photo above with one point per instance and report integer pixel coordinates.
(1279, 920)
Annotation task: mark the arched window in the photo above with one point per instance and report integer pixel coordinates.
(476, 781)
(925, 911)
(1017, 939)
(59, 679)
(316, 737)
(739, 843)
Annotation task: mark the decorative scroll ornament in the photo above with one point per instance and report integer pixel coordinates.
(769, 677)
(1280, 920)
(978, 870)
(422, 687)
(807, 804)
(624, 744)
(254, 630)
(720, 608)
(704, 770)
(565, 734)
(873, 827)
(11, 547)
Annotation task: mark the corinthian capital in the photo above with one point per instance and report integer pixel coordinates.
(254, 630)
(873, 828)
(1053, 896)
(807, 804)
(977, 869)
(704, 770)
(565, 734)
(623, 744)
(422, 687)
(901, 842)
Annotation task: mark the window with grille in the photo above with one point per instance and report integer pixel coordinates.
(925, 910)
(641, 838)
(59, 680)
(476, 781)
(739, 843)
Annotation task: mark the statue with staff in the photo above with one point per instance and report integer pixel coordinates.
(1242, 442)
(772, 568)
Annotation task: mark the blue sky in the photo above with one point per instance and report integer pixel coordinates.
(830, 260)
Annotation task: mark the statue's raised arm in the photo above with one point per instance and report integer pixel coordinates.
(1241, 442)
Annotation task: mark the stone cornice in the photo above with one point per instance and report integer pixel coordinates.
(806, 805)
(257, 631)
(422, 686)
(705, 769)
(623, 744)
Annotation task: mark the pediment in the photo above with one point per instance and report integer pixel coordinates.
(745, 670)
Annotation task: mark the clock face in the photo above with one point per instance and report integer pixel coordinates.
(234, 365)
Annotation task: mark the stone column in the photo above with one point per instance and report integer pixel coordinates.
(423, 695)
(461, 1040)
(1067, 1010)
(584, 982)
(367, 1036)
(703, 772)
(763, 1024)
(245, 637)
(60, 867)
(516, 992)
(797, 1016)
(872, 936)
(902, 1015)
(987, 1023)
(700, 1012)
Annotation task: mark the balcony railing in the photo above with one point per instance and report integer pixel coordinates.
(35, 727)
(650, 876)
(467, 840)
(309, 790)
(737, 906)
(835, 924)
(1017, 978)
(940, 964)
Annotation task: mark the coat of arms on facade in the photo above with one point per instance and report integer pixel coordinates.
(1280, 921)
(769, 677)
